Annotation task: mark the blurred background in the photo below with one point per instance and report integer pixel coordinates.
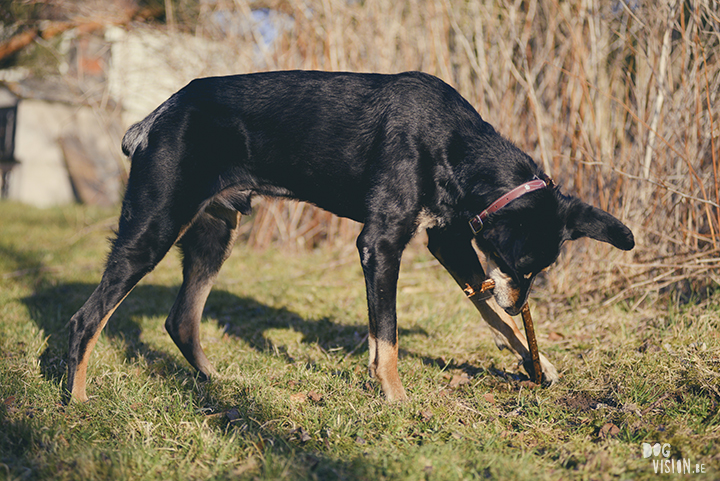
(617, 100)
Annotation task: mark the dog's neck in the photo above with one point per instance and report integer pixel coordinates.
(477, 221)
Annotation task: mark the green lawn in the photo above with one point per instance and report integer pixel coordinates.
(285, 330)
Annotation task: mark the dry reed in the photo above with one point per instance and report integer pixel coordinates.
(617, 100)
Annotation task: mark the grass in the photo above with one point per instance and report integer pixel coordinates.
(294, 401)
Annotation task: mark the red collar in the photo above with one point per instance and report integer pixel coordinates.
(477, 221)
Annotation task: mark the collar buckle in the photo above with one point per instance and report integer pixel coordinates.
(476, 224)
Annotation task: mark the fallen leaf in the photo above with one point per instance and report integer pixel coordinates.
(315, 396)
(555, 336)
(459, 380)
(528, 384)
(360, 440)
(298, 397)
(609, 430)
(489, 398)
(301, 434)
(292, 384)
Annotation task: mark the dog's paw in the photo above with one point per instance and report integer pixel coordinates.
(394, 392)
(550, 374)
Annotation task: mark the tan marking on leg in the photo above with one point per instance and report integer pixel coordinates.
(80, 379)
(505, 330)
(387, 373)
(189, 311)
(372, 355)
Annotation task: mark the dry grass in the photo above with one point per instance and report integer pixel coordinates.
(294, 400)
(617, 100)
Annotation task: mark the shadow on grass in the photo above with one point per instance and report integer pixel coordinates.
(51, 307)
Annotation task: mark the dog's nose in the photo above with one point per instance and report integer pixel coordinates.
(513, 310)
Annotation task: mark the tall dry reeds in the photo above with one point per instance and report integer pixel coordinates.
(616, 99)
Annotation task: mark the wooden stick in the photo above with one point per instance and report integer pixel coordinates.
(486, 285)
(532, 344)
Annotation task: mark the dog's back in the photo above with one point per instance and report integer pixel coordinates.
(304, 129)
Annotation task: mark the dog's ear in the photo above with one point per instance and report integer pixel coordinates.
(583, 220)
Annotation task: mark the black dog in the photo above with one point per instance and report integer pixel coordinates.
(395, 152)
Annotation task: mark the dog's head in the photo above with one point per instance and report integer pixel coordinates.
(525, 237)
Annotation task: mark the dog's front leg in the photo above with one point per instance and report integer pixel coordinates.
(455, 252)
(380, 253)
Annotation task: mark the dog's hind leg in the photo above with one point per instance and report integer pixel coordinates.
(144, 237)
(455, 252)
(205, 246)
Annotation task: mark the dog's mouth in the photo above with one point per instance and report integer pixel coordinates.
(509, 293)
(506, 291)
(486, 291)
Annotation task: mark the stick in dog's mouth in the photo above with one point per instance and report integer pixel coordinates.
(489, 284)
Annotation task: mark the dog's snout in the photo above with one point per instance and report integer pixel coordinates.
(508, 293)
